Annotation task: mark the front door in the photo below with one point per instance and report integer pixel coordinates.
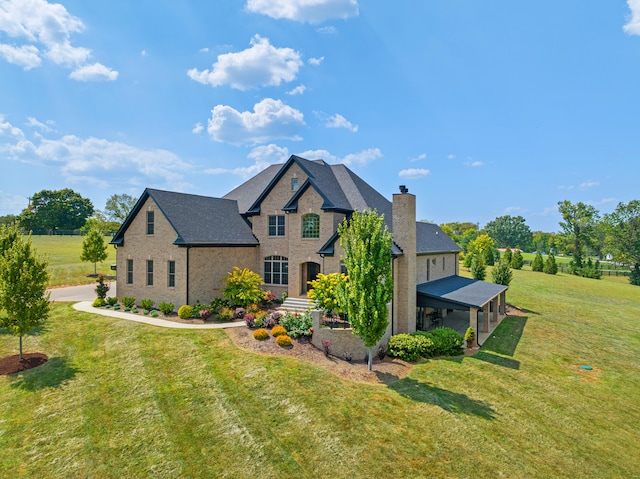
(309, 273)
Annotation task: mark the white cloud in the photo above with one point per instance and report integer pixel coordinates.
(260, 65)
(632, 27)
(339, 121)
(451, 157)
(95, 72)
(11, 204)
(143, 53)
(263, 156)
(361, 158)
(588, 184)
(474, 164)
(26, 56)
(414, 173)
(33, 122)
(305, 11)
(38, 23)
(330, 30)
(93, 157)
(421, 156)
(197, 128)
(315, 61)
(271, 119)
(7, 128)
(204, 50)
(299, 90)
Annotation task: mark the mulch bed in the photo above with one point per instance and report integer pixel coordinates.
(13, 364)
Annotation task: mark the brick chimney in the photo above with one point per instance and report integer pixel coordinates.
(404, 235)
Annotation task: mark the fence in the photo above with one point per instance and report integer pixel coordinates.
(618, 270)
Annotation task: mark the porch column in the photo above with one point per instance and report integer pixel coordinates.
(485, 318)
(494, 314)
(473, 324)
(503, 303)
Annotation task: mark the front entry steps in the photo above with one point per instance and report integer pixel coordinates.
(296, 305)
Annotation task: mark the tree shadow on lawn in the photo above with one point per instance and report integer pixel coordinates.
(447, 400)
(51, 374)
(504, 340)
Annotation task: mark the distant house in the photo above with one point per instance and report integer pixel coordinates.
(282, 223)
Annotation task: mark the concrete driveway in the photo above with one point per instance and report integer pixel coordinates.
(85, 292)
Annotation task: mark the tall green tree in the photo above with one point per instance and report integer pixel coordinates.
(94, 249)
(550, 265)
(118, 207)
(23, 284)
(509, 231)
(517, 261)
(478, 268)
(366, 242)
(579, 225)
(538, 263)
(98, 221)
(56, 210)
(623, 232)
(502, 274)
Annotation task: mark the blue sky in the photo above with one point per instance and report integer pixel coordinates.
(482, 108)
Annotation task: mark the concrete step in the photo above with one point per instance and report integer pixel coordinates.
(296, 305)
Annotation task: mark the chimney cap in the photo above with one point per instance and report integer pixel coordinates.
(404, 189)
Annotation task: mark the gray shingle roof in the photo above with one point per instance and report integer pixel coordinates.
(197, 220)
(431, 239)
(461, 291)
(248, 192)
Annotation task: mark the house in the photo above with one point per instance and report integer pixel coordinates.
(282, 223)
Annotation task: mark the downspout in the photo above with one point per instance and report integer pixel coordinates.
(393, 302)
(188, 248)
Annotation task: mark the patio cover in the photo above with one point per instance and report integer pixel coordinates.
(456, 292)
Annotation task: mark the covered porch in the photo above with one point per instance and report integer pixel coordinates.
(458, 303)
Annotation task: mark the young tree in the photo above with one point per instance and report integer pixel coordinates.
(517, 261)
(94, 249)
(508, 255)
(509, 231)
(550, 265)
(483, 246)
(538, 263)
(502, 274)
(366, 242)
(623, 230)
(478, 268)
(579, 226)
(23, 284)
(61, 209)
(118, 207)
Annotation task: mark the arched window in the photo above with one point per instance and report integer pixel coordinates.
(276, 270)
(311, 226)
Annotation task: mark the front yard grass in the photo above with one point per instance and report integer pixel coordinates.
(123, 399)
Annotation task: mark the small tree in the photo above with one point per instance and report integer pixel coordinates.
(508, 255)
(325, 291)
(94, 249)
(538, 263)
(517, 261)
(550, 265)
(23, 284)
(502, 274)
(478, 268)
(366, 242)
(242, 287)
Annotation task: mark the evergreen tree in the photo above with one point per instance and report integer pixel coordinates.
(23, 284)
(517, 261)
(94, 249)
(489, 257)
(634, 277)
(366, 242)
(502, 274)
(508, 255)
(468, 259)
(550, 265)
(538, 263)
(478, 268)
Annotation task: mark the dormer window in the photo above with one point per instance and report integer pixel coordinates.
(294, 184)
(149, 222)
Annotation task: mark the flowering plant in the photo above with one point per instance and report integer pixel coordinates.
(325, 292)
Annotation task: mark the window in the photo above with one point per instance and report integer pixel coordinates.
(129, 271)
(443, 258)
(276, 270)
(276, 225)
(343, 267)
(149, 273)
(294, 184)
(149, 222)
(171, 270)
(311, 226)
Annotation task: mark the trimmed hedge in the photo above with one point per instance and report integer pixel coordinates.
(439, 342)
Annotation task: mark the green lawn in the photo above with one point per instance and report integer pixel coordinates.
(122, 399)
(63, 253)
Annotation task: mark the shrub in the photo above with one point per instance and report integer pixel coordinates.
(145, 311)
(185, 312)
(218, 303)
(297, 324)
(203, 313)
(239, 313)
(446, 342)
(258, 323)
(508, 255)
(468, 260)
(166, 308)
(550, 265)
(634, 277)
(325, 291)
(242, 287)
(278, 331)
(538, 263)
(134, 310)
(98, 302)
(284, 341)
(502, 274)
(129, 301)
(517, 261)
(154, 313)
(116, 306)
(102, 288)
(469, 335)
(127, 309)
(268, 321)
(261, 334)
(478, 269)
(253, 308)
(146, 304)
(225, 314)
(409, 347)
(250, 320)
(112, 301)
